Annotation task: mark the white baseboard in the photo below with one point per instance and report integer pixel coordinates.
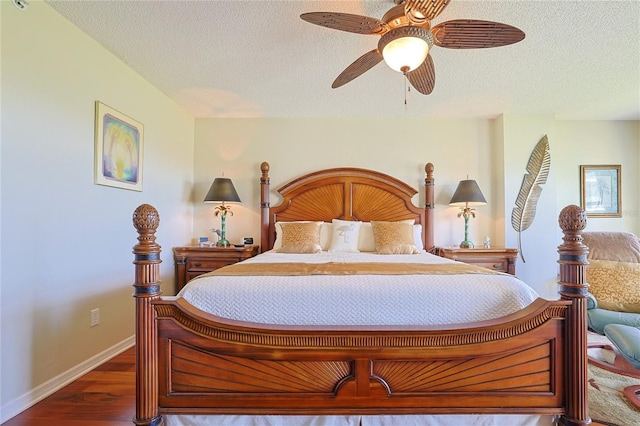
(37, 394)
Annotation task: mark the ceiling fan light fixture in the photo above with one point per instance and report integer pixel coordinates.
(405, 48)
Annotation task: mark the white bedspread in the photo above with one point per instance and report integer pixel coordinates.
(402, 420)
(358, 299)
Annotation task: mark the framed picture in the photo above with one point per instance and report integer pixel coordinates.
(600, 191)
(119, 143)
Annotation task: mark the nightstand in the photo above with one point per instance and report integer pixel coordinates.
(192, 261)
(498, 259)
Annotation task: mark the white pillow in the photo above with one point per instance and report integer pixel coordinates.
(344, 236)
(367, 243)
(417, 237)
(365, 239)
(325, 234)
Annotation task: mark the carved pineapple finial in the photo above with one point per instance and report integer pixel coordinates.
(572, 219)
(146, 220)
(264, 167)
(428, 168)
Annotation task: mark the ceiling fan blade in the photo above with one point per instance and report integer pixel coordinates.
(347, 22)
(361, 65)
(421, 11)
(474, 34)
(423, 78)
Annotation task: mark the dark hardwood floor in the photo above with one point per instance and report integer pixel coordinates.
(103, 397)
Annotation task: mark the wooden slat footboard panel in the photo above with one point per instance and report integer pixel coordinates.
(528, 370)
(194, 371)
(509, 365)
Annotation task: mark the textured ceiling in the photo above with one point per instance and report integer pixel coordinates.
(579, 60)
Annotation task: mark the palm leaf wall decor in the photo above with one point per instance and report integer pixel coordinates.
(524, 212)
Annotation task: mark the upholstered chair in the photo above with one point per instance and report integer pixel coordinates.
(613, 275)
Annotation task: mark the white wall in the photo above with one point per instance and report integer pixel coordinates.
(66, 243)
(538, 243)
(572, 143)
(293, 147)
(601, 143)
(494, 152)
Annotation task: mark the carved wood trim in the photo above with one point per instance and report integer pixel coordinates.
(537, 314)
(146, 289)
(429, 207)
(574, 287)
(346, 193)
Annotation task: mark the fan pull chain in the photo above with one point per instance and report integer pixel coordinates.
(407, 93)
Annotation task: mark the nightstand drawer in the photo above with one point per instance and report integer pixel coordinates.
(195, 260)
(199, 264)
(496, 259)
(496, 266)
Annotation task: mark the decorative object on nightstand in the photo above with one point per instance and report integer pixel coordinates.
(494, 258)
(191, 261)
(467, 194)
(222, 190)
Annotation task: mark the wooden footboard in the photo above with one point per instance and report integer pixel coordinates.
(533, 361)
(510, 365)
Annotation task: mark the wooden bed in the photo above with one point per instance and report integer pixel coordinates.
(530, 362)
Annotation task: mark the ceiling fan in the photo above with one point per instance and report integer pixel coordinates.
(407, 36)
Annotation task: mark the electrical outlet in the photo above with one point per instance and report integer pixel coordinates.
(95, 317)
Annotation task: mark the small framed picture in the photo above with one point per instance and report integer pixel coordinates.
(600, 190)
(118, 149)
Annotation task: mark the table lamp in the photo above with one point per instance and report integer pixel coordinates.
(467, 194)
(222, 190)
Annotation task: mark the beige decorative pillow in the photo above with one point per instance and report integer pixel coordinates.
(615, 285)
(325, 234)
(301, 237)
(393, 238)
(365, 238)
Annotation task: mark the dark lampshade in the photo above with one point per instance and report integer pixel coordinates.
(467, 194)
(222, 190)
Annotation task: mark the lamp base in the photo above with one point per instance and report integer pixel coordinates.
(222, 242)
(466, 244)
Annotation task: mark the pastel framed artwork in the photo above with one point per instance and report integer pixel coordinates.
(119, 148)
(600, 190)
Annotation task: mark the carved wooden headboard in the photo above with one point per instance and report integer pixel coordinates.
(345, 193)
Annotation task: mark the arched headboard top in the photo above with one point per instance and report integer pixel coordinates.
(344, 173)
(346, 193)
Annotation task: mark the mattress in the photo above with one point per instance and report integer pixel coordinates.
(359, 299)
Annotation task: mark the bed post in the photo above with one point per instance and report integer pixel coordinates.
(573, 287)
(429, 206)
(264, 207)
(146, 289)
